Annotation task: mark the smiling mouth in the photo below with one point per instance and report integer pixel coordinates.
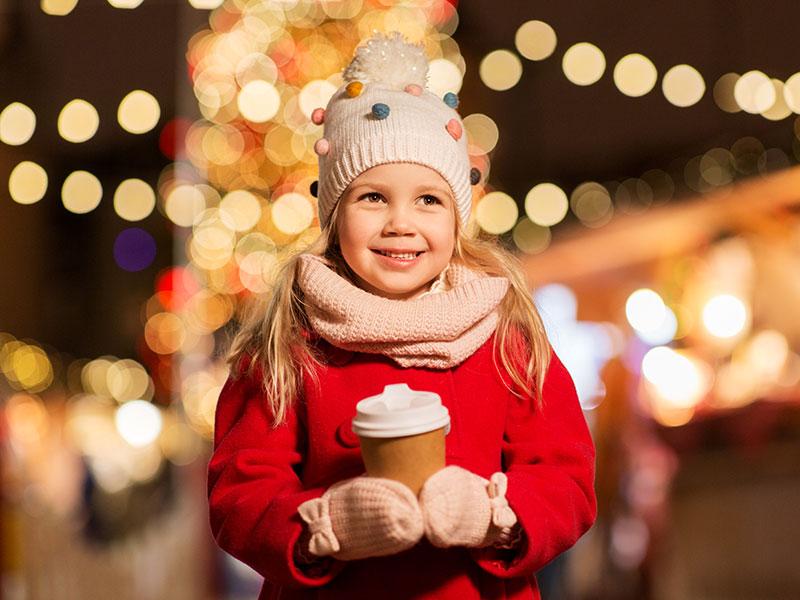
(402, 255)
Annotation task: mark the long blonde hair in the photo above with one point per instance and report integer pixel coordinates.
(271, 330)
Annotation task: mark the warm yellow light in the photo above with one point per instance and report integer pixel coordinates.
(723, 93)
(240, 210)
(683, 85)
(779, 109)
(292, 213)
(27, 182)
(315, 94)
(206, 4)
(444, 76)
(635, 75)
(138, 112)
(183, 204)
(482, 131)
(725, 316)
(164, 333)
(496, 213)
(125, 3)
(676, 379)
(126, 380)
(530, 237)
(138, 422)
(645, 310)
(58, 8)
(754, 92)
(134, 200)
(546, 204)
(256, 66)
(583, 63)
(500, 70)
(535, 40)
(258, 101)
(81, 192)
(78, 121)
(791, 92)
(17, 124)
(591, 203)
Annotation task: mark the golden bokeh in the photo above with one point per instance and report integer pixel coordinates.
(500, 70)
(183, 204)
(315, 94)
(791, 93)
(240, 210)
(207, 311)
(258, 101)
(78, 121)
(164, 333)
(635, 75)
(256, 66)
(292, 213)
(482, 131)
(591, 203)
(125, 3)
(496, 212)
(723, 93)
(27, 183)
(530, 237)
(683, 86)
(17, 124)
(444, 76)
(535, 40)
(212, 243)
(127, 380)
(134, 200)
(138, 112)
(546, 204)
(58, 8)
(779, 109)
(583, 63)
(754, 92)
(81, 192)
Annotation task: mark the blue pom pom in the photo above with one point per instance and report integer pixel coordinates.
(451, 99)
(380, 110)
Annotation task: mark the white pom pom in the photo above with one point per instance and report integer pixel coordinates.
(388, 60)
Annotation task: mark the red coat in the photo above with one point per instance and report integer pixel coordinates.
(258, 476)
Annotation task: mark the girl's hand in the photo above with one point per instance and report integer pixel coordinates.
(461, 508)
(362, 517)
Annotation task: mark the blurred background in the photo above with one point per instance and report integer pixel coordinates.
(641, 158)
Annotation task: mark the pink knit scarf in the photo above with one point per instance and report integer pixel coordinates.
(437, 330)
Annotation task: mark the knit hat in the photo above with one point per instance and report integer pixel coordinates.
(383, 113)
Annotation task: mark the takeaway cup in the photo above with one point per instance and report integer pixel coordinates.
(402, 434)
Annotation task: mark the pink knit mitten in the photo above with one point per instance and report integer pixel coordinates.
(361, 517)
(461, 508)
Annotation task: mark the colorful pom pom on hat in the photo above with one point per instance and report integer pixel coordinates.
(383, 113)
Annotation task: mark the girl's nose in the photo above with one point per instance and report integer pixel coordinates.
(399, 221)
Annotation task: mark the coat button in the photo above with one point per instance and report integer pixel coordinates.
(345, 435)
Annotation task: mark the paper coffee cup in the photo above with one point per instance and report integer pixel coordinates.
(402, 434)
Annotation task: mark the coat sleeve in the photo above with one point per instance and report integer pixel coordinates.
(549, 459)
(253, 486)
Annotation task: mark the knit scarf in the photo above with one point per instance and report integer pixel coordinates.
(439, 329)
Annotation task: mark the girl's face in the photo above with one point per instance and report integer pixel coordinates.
(400, 209)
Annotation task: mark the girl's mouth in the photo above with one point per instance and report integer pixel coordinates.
(398, 258)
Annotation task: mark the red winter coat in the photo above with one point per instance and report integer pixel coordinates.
(258, 476)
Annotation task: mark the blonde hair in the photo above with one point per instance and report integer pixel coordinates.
(271, 331)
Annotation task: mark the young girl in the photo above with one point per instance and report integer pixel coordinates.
(394, 291)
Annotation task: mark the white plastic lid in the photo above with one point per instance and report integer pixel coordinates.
(400, 411)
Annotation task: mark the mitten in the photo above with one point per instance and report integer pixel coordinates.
(362, 517)
(461, 508)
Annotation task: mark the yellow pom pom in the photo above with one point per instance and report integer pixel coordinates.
(354, 88)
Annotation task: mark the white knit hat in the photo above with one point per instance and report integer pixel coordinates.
(383, 114)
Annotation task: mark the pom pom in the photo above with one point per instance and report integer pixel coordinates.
(454, 129)
(474, 176)
(389, 60)
(354, 88)
(322, 146)
(380, 110)
(314, 188)
(451, 99)
(318, 116)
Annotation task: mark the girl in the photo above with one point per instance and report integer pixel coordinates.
(395, 291)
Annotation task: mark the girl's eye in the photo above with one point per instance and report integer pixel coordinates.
(372, 196)
(433, 200)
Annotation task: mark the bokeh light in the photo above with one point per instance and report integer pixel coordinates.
(635, 75)
(683, 86)
(17, 124)
(138, 112)
(725, 316)
(724, 93)
(645, 310)
(496, 212)
(500, 70)
(754, 92)
(183, 204)
(58, 8)
(482, 132)
(583, 63)
(81, 192)
(591, 203)
(546, 204)
(138, 422)
(535, 40)
(134, 200)
(27, 182)
(791, 92)
(258, 101)
(444, 76)
(292, 213)
(531, 238)
(78, 121)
